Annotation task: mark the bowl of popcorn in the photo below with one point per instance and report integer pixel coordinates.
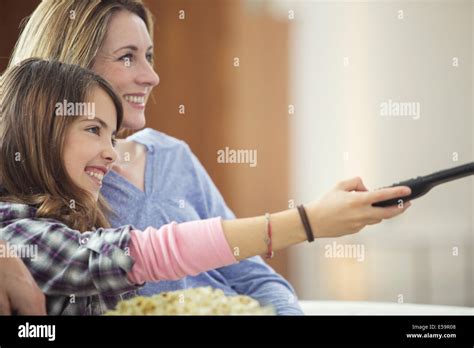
(197, 301)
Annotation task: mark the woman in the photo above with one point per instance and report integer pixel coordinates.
(156, 172)
(18, 291)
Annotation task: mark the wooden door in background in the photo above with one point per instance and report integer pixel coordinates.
(244, 107)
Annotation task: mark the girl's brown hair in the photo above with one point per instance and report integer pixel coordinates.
(32, 169)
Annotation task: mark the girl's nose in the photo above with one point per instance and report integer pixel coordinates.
(110, 154)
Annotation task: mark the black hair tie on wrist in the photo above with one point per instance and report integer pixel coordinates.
(305, 221)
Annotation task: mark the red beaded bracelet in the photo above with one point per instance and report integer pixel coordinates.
(268, 238)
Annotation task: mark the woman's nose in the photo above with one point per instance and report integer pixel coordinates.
(148, 76)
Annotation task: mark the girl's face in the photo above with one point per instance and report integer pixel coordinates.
(89, 145)
(124, 60)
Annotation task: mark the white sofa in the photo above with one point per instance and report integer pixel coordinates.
(379, 308)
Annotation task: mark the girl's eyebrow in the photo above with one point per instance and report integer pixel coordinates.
(132, 47)
(102, 123)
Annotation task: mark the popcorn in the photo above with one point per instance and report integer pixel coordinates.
(198, 301)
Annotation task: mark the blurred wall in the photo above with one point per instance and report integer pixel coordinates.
(348, 58)
(11, 14)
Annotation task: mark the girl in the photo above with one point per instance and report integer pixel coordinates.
(51, 170)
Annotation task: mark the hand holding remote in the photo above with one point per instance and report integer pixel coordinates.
(422, 184)
(347, 208)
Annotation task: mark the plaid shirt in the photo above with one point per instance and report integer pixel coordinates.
(80, 273)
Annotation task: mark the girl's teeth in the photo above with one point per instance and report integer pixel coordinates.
(135, 99)
(99, 176)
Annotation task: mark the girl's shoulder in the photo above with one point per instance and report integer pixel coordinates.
(11, 211)
(20, 221)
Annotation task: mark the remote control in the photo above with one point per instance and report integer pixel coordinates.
(422, 184)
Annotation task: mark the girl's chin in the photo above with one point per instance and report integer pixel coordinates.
(94, 193)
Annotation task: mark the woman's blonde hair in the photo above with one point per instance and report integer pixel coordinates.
(72, 31)
(32, 169)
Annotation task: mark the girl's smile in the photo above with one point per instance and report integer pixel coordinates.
(96, 173)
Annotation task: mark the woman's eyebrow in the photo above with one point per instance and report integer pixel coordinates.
(132, 47)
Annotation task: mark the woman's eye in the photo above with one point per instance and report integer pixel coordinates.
(94, 130)
(149, 57)
(127, 59)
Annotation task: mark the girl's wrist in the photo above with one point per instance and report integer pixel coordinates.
(287, 229)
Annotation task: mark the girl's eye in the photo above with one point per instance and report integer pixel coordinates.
(94, 130)
(114, 142)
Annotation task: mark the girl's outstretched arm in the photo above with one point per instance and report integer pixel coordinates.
(102, 261)
(177, 250)
(345, 209)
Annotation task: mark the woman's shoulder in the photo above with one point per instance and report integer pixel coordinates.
(158, 141)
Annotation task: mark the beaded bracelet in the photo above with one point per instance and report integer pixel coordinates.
(268, 238)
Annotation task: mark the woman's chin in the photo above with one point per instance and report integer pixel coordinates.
(134, 121)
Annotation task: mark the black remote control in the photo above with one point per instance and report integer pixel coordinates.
(422, 184)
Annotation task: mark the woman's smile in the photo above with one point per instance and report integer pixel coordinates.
(137, 100)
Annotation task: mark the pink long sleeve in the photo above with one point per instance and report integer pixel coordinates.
(175, 251)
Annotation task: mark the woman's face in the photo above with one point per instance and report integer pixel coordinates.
(124, 60)
(89, 144)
